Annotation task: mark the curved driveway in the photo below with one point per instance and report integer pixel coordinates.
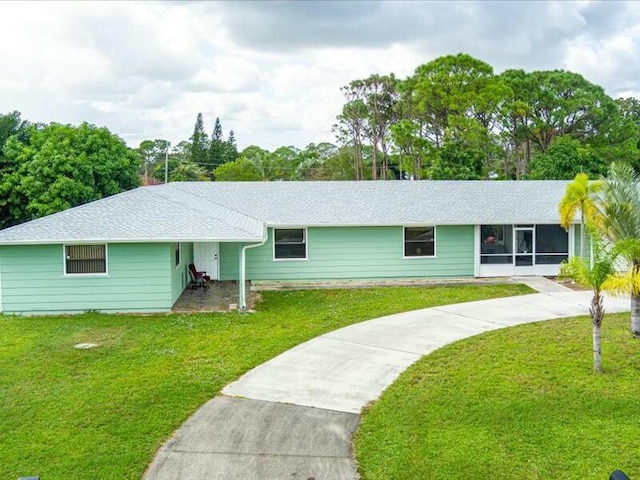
(293, 416)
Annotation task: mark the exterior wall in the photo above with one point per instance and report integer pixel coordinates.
(180, 274)
(587, 243)
(138, 280)
(356, 253)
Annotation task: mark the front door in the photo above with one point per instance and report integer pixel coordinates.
(205, 257)
(523, 260)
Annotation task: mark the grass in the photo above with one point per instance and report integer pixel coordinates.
(103, 413)
(520, 403)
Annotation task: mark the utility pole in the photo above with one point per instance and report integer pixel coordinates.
(166, 163)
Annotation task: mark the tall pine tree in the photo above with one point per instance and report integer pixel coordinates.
(217, 147)
(231, 149)
(199, 143)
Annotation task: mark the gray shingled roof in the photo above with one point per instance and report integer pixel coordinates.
(236, 211)
(139, 215)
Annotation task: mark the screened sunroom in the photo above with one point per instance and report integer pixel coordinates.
(522, 249)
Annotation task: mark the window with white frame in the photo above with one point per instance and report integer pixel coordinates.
(85, 259)
(289, 244)
(419, 241)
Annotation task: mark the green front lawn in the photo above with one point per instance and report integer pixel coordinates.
(103, 413)
(520, 403)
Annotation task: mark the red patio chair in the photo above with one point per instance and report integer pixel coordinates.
(196, 274)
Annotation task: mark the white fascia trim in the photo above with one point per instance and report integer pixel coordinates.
(415, 224)
(120, 240)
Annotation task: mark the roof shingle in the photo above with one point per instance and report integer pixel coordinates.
(239, 211)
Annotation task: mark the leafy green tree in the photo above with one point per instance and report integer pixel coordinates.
(350, 129)
(55, 167)
(564, 103)
(564, 159)
(514, 122)
(146, 153)
(597, 275)
(179, 154)
(240, 170)
(312, 159)
(377, 95)
(454, 162)
(288, 162)
(187, 172)
(410, 148)
(456, 99)
(10, 123)
(338, 166)
(580, 196)
(630, 111)
(151, 153)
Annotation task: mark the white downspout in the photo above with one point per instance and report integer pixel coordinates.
(242, 296)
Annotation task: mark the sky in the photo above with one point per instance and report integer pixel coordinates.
(272, 71)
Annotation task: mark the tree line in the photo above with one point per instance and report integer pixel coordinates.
(456, 119)
(194, 159)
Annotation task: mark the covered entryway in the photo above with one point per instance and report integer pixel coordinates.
(522, 249)
(218, 297)
(205, 258)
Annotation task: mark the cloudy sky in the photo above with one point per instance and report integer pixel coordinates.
(272, 71)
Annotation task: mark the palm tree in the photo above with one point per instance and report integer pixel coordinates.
(595, 274)
(580, 195)
(619, 223)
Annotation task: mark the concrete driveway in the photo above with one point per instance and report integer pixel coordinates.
(293, 416)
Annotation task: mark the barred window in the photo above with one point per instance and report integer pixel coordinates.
(85, 259)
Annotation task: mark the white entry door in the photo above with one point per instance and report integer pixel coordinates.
(205, 257)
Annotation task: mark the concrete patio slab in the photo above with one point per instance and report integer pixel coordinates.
(233, 438)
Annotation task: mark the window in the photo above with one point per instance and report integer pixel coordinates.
(552, 244)
(419, 242)
(85, 259)
(176, 254)
(289, 244)
(496, 244)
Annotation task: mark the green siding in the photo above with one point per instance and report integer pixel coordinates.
(356, 253)
(180, 274)
(138, 279)
(229, 259)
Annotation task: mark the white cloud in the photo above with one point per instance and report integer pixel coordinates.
(271, 71)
